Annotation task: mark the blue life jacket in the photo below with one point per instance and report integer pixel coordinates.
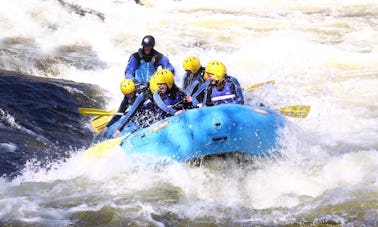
(193, 81)
(144, 72)
(230, 93)
(200, 93)
(167, 103)
(226, 95)
(141, 67)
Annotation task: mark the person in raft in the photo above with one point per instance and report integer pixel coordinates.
(219, 87)
(134, 100)
(144, 63)
(193, 77)
(168, 98)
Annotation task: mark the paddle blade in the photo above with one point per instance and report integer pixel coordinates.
(295, 111)
(90, 111)
(100, 122)
(260, 85)
(101, 149)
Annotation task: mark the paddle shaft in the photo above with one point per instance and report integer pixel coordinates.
(259, 85)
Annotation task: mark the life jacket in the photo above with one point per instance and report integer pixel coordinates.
(171, 99)
(218, 94)
(147, 65)
(225, 94)
(168, 103)
(194, 81)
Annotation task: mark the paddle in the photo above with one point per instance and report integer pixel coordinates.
(103, 118)
(91, 111)
(259, 85)
(297, 111)
(100, 122)
(101, 149)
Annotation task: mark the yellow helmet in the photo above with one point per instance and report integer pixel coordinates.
(153, 84)
(192, 64)
(127, 86)
(217, 68)
(162, 76)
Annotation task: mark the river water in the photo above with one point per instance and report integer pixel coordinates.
(320, 53)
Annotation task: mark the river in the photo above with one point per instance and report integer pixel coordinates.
(58, 55)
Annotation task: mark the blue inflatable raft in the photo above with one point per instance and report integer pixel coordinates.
(207, 131)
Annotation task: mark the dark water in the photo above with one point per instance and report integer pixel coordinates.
(39, 119)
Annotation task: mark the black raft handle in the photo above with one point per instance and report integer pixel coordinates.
(219, 138)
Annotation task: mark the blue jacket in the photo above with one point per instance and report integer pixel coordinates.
(169, 103)
(156, 59)
(228, 91)
(192, 82)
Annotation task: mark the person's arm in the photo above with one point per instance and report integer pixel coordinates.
(164, 62)
(192, 88)
(131, 67)
(130, 113)
(121, 109)
(160, 103)
(238, 90)
(199, 92)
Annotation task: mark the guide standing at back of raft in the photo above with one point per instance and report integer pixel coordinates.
(144, 63)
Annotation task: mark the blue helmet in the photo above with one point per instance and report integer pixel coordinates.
(148, 41)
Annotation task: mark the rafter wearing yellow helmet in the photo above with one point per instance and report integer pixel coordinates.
(133, 101)
(219, 87)
(167, 96)
(193, 77)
